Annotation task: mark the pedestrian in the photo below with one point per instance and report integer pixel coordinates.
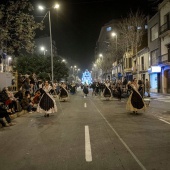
(5, 114)
(147, 87)
(128, 88)
(141, 87)
(47, 104)
(63, 92)
(26, 102)
(85, 90)
(107, 93)
(119, 90)
(135, 101)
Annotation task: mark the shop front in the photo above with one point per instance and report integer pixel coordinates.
(154, 77)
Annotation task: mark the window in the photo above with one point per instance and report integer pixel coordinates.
(108, 29)
(130, 62)
(154, 32)
(154, 57)
(142, 63)
(166, 18)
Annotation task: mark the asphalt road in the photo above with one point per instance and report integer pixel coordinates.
(89, 134)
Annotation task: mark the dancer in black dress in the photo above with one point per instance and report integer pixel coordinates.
(107, 91)
(135, 101)
(63, 93)
(85, 90)
(47, 103)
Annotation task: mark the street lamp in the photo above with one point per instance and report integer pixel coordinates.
(56, 6)
(74, 69)
(101, 55)
(43, 49)
(113, 34)
(9, 58)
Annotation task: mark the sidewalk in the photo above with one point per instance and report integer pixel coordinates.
(155, 95)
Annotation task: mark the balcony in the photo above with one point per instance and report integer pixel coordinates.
(164, 29)
(164, 59)
(127, 70)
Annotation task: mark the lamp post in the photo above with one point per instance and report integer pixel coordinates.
(114, 35)
(9, 58)
(51, 41)
(74, 68)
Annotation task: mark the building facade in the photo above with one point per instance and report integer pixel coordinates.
(154, 52)
(164, 34)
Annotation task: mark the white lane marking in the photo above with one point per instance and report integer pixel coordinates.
(123, 142)
(85, 105)
(88, 153)
(164, 121)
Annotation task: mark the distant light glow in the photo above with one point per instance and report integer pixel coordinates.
(108, 29)
(9, 58)
(113, 34)
(42, 49)
(139, 27)
(100, 55)
(40, 7)
(56, 6)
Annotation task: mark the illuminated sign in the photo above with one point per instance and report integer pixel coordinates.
(154, 69)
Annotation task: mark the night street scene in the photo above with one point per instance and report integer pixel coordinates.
(84, 85)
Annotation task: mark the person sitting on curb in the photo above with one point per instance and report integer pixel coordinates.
(4, 114)
(26, 102)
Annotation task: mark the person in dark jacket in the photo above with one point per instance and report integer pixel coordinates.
(4, 114)
(26, 102)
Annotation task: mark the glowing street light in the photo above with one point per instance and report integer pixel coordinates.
(100, 55)
(56, 6)
(113, 34)
(43, 49)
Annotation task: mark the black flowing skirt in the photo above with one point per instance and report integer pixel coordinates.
(106, 92)
(85, 90)
(63, 93)
(136, 100)
(46, 103)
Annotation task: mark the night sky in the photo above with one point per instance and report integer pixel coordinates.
(77, 24)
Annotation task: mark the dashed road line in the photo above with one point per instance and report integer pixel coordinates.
(88, 153)
(122, 141)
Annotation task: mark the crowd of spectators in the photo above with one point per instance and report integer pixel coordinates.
(29, 93)
(26, 98)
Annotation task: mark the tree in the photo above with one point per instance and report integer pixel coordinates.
(131, 31)
(41, 65)
(17, 27)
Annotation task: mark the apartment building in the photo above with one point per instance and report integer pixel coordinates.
(164, 35)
